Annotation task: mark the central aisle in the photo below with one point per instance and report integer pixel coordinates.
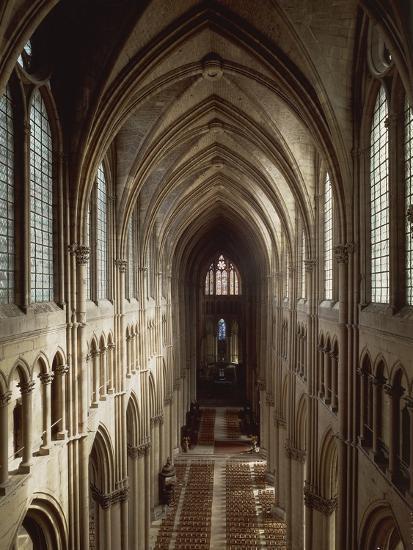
(222, 500)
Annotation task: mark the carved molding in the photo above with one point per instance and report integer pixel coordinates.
(317, 502)
(105, 500)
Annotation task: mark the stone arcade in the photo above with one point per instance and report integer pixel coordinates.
(206, 201)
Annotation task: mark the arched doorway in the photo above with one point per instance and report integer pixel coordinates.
(43, 528)
(380, 530)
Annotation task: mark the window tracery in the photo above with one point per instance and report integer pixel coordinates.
(222, 278)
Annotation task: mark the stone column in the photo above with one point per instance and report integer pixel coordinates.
(107, 526)
(4, 436)
(95, 378)
(341, 253)
(393, 395)
(111, 371)
(46, 379)
(333, 362)
(140, 511)
(362, 378)
(327, 376)
(321, 379)
(133, 475)
(60, 372)
(410, 410)
(377, 384)
(147, 494)
(103, 374)
(26, 389)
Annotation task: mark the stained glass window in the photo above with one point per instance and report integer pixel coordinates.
(379, 201)
(218, 282)
(41, 202)
(101, 234)
(222, 330)
(328, 239)
(7, 252)
(408, 139)
(222, 278)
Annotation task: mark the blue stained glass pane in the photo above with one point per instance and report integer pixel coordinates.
(222, 329)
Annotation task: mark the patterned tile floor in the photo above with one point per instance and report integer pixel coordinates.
(231, 482)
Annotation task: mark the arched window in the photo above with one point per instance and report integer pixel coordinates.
(222, 278)
(7, 251)
(328, 239)
(408, 140)
(222, 330)
(379, 200)
(101, 234)
(41, 202)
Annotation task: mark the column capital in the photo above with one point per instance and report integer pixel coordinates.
(121, 264)
(61, 370)
(378, 380)
(393, 391)
(5, 398)
(105, 500)
(294, 453)
(317, 502)
(342, 252)
(270, 399)
(158, 419)
(260, 384)
(26, 387)
(46, 377)
(310, 264)
(82, 254)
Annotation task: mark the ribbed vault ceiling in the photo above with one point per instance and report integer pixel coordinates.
(220, 114)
